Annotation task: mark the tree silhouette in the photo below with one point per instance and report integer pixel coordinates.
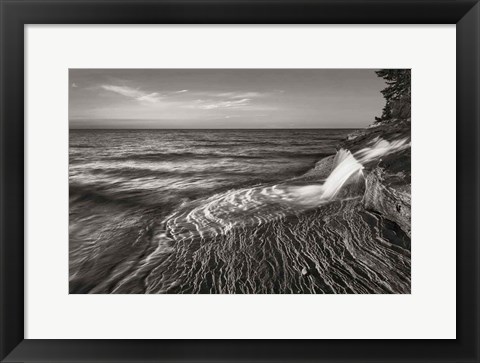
(397, 94)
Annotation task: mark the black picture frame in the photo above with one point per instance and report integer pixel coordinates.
(15, 14)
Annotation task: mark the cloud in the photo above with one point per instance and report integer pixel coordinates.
(151, 97)
(212, 105)
(182, 99)
(134, 93)
(236, 95)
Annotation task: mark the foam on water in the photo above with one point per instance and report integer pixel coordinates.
(220, 213)
(248, 239)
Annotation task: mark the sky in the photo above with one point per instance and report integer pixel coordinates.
(223, 98)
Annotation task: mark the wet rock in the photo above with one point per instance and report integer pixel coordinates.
(322, 168)
(386, 195)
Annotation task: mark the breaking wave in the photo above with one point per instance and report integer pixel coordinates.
(289, 237)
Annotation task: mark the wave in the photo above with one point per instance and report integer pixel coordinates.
(80, 146)
(252, 205)
(290, 237)
(128, 172)
(169, 156)
(256, 205)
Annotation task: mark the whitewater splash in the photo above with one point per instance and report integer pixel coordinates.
(379, 147)
(347, 167)
(256, 205)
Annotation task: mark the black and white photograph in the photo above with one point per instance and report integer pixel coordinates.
(239, 181)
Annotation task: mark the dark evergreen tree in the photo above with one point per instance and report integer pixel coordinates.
(397, 94)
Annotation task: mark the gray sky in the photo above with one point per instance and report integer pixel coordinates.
(224, 98)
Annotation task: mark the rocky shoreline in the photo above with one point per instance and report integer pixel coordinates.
(388, 179)
(358, 242)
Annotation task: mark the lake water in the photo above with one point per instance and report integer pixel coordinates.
(217, 211)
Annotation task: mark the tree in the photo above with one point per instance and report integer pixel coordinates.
(397, 94)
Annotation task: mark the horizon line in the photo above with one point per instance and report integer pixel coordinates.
(256, 128)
